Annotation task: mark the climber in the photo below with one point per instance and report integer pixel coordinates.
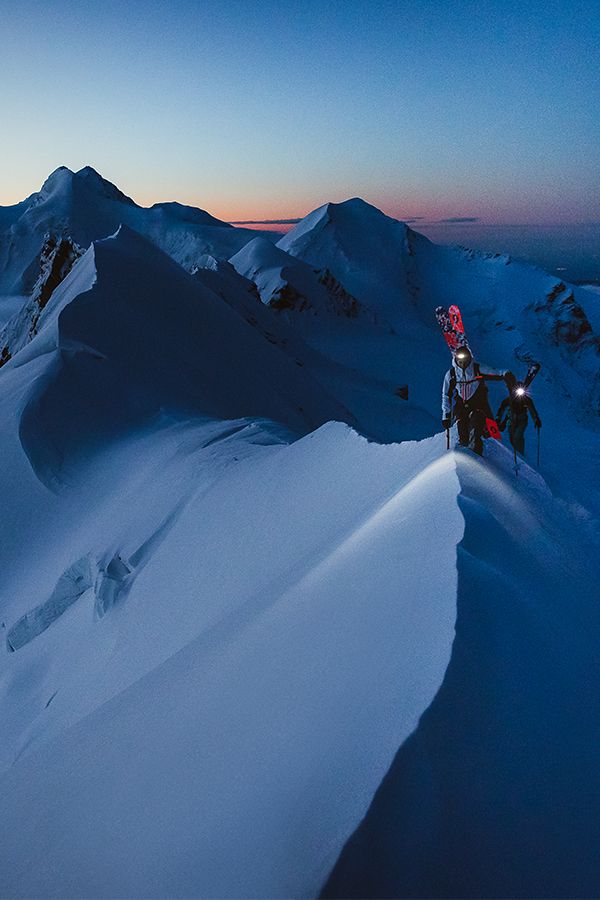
(514, 412)
(465, 398)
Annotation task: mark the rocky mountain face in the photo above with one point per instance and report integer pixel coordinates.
(57, 257)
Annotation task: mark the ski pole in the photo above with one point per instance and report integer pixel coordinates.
(538, 448)
(447, 438)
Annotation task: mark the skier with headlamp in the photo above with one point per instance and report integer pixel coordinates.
(514, 412)
(465, 397)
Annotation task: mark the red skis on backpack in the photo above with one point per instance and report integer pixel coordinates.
(452, 327)
(456, 320)
(453, 330)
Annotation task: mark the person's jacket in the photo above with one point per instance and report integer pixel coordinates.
(466, 381)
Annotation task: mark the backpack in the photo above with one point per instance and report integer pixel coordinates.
(452, 384)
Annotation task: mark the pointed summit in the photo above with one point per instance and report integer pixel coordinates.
(58, 182)
(94, 181)
(362, 247)
(62, 181)
(85, 207)
(351, 215)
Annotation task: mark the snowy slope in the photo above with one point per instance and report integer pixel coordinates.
(522, 310)
(57, 258)
(228, 622)
(86, 207)
(364, 249)
(388, 266)
(513, 314)
(10, 306)
(220, 730)
(130, 333)
(288, 284)
(497, 793)
(191, 728)
(594, 288)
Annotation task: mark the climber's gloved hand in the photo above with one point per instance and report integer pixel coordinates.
(446, 422)
(538, 423)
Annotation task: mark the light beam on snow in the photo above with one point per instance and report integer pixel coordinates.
(396, 508)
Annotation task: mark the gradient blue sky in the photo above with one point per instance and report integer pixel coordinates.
(267, 109)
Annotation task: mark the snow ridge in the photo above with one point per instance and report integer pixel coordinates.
(507, 750)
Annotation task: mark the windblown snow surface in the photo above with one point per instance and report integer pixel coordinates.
(263, 634)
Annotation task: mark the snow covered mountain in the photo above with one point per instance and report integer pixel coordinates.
(86, 207)
(286, 283)
(262, 633)
(117, 349)
(403, 275)
(57, 258)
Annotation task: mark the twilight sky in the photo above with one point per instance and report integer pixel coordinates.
(259, 109)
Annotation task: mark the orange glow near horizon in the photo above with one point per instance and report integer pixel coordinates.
(255, 209)
(261, 226)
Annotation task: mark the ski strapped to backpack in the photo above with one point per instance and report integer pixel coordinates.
(453, 330)
(532, 371)
(450, 321)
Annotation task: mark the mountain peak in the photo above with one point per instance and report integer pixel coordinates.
(355, 204)
(93, 180)
(355, 210)
(89, 172)
(353, 216)
(59, 179)
(57, 172)
(188, 214)
(63, 179)
(363, 248)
